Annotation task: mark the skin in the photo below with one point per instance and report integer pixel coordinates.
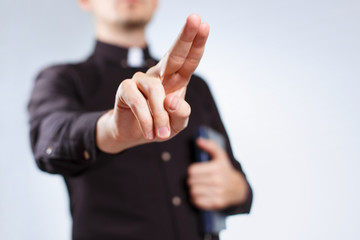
(151, 106)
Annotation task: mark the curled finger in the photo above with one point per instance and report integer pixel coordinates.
(129, 96)
(153, 90)
(179, 112)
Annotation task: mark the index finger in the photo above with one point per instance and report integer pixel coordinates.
(177, 55)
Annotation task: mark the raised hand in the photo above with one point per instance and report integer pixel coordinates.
(151, 106)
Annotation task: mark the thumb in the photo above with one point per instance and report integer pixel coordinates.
(216, 152)
(179, 111)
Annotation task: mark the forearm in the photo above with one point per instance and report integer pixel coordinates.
(64, 142)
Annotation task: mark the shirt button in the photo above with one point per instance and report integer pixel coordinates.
(86, 155)
(124, 63)
(49, 150)
(166, 156)
(176, 201)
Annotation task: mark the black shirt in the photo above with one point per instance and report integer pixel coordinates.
(140, 193)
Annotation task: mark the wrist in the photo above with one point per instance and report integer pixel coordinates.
(110, 140)
(107, 139)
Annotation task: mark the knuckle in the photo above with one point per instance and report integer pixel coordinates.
(198, 201)
(218, 203)
(160, 113)
(123, 92)
(153, 70)
(217, 180)
(203, 204)
(138, 75)
(156, 80)
(135, 102)
(126, 84)
(213, 169)
(193, 192)
(186, 110)
(144, 121)
(176, 58)
(156, 87)
(219, 192)
(161, 117)
(194, 61)
(191, 170)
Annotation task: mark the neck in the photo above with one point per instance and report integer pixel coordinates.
(121, 36)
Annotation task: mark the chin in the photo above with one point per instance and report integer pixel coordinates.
(134, 24)
(134, 13)
(133, 18)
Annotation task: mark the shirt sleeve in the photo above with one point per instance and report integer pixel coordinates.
(62, 134)
(217, 124)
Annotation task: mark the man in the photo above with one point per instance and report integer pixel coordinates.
(128, 164)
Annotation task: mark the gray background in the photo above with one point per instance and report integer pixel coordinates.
(285, 75)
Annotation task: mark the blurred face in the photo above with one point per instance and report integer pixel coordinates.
(125, 13)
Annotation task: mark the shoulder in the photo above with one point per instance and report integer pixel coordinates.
(54, 71)
(65, 70)
(61, 78)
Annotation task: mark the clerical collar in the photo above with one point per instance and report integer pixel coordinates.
(135, 57)
(132, 57)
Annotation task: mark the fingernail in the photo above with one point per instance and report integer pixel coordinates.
(174, 103)
(163, 132)
(150, 135)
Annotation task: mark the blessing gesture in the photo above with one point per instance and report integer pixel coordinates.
(151, 106)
